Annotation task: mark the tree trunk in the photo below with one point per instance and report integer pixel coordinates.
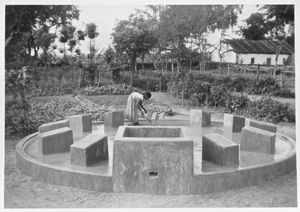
(178, 65)
(190, 65)
(278, 50)
(200, 66)
(172, 66)
(220, 49)
(203, 55)
(64, 49)
(228, 70)
(143, 58)
(99, 77)
(133, 69)
(220, 65)
(9, 39)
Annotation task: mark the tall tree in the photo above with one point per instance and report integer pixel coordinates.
(91, 32)
(22, 20)
(178, 23)
(44, 39)
(278, 17)
(66, 35)
(147, 38)
(256, 27)
(135, 37)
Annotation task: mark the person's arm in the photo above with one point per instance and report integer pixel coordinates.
(141, 107)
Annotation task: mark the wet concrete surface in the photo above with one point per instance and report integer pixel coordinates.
(247, 159)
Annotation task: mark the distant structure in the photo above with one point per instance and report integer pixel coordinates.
(253, 52)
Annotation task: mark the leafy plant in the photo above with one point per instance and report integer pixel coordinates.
(284, 93)
(270, 110)
(40, 112)
(109, 89)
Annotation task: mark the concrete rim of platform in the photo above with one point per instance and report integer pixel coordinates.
(77, 178)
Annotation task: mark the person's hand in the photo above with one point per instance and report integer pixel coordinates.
(146, 115)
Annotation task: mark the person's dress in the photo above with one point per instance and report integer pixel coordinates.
(132, 104)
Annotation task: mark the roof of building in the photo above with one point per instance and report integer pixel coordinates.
(259, 46)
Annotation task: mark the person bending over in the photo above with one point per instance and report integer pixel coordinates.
(135, 103)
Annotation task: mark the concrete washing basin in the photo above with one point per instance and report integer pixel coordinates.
(163, 158)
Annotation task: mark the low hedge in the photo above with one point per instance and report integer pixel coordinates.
(23, 118)
(110, 89)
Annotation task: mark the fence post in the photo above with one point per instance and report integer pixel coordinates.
(281, 79)
(182, 94)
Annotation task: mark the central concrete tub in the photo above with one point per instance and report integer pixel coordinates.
(154, 160)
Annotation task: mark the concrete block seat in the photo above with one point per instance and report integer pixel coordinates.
(55, 141)
(89, 150)
(219, 150)
(233, 123)
(257, 140)
(114, 119)
(200, 117)
(80, 124)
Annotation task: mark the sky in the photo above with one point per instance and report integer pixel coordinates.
(106, 16)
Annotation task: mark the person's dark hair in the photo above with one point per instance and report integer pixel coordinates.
(147, 95)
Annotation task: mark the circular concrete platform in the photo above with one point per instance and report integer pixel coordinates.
(253, 167)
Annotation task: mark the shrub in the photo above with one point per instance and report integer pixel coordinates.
(284, 93)
(110, 89)
(35, 114)
(148, 83)
(218, 97)
(270, 110)
(263, 86)
(240, 84)
(237, 103)
(195, 85)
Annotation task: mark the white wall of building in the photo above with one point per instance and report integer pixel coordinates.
(261, 59)
(228, 57)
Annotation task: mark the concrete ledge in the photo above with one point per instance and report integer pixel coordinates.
(257, 140)
(220, 150)
(263, 125)
(58, 175)
(233, 123)
(91, 149)
(152, 132)
(202, 183)
(53, 126)
(55, 141)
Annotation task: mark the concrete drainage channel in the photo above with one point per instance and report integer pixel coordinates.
(167, 157)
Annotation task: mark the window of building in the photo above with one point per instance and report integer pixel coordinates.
(268, 61)
(252, 60)
(283, 61)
